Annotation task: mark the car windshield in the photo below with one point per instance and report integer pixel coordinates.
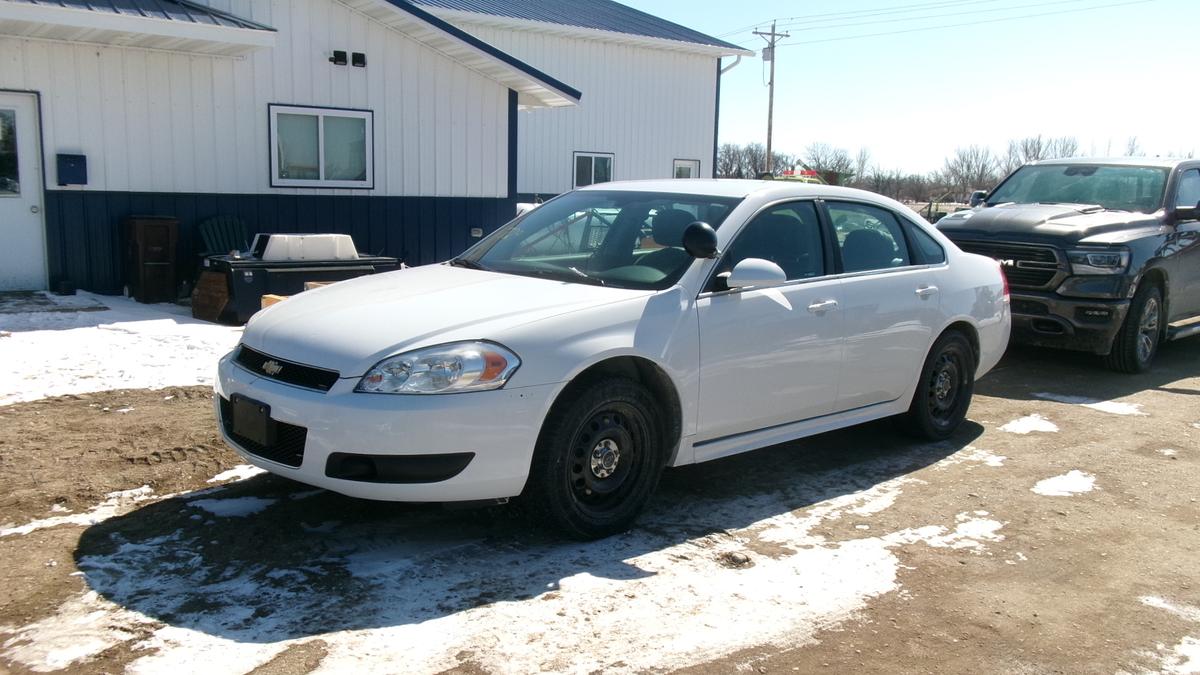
(605, 237)
(1120, 188)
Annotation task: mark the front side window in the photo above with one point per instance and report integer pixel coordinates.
(869, 238)
(319, 147)
(602, 237)
(1189, 188)
(687, 168)
(592, 168)
(788, 235)
(1121, 188)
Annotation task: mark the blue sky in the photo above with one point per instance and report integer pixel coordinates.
(1101, 75)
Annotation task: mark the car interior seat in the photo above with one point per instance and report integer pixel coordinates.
(867, 250)
(667, 228)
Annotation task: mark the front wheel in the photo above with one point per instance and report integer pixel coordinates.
(598, 459)
(944, 390)
(1137, 342)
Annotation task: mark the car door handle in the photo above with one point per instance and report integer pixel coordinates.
(926, 291)
(823, 306)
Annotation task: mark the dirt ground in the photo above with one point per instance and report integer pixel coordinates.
(949, 560)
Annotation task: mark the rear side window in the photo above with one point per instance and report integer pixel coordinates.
(928, 251)
(869, 238)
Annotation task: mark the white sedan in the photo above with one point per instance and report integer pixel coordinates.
(611, 332)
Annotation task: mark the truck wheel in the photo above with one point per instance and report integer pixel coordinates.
(944, 390)
(598, 460)
(1137, 342)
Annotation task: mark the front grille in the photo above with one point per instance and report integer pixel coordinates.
(288, 372)
(289, 440)
(1025, 265)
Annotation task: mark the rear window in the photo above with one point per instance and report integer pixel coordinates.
(1121, 188)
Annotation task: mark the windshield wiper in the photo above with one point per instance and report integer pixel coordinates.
(467, 263)
(558, 274)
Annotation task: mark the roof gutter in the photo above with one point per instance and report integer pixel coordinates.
(733, 65)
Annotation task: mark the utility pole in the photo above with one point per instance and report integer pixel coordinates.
(772, 39)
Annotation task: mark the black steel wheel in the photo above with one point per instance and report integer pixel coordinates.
(945, 388)
(598, 459)
(1135, 345)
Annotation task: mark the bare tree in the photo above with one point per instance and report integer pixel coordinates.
(1133, 148)
(824, 158)
(754, 159)
(1064, 146)
(1034, 148)
(971, 168)
(861, 162)
(729, 160)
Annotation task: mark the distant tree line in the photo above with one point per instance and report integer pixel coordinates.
(974, 167)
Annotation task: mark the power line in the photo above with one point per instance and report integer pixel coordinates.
(933, 16)
(806, 18)
(968, 23)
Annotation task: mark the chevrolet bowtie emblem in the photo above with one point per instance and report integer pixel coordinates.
(272, 367)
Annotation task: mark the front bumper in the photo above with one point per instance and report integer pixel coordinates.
(1051, 320)
(499, 427)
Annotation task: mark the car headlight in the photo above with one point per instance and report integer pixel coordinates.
(443, 369)
(1098, 261)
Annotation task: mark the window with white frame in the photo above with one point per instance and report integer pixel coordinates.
(687, 168)
(322, 147)
(592, 168)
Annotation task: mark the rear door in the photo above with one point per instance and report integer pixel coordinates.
(890, 303)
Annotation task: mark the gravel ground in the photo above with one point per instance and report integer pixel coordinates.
(1057, 532)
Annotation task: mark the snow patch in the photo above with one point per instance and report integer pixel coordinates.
(82, 628)
(115, 504)
(1185, 612)
(1168, 452)
(1030, 424)
(971, 454)
(128, 346)
(1072, 482)
(1112, 407)
(239, 472)
(234, 507)
(654, 597)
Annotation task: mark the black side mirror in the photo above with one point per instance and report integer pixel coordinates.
(978, 197)
(1184, 213)
(700, 240)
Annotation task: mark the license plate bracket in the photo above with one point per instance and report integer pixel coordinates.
(252, 420)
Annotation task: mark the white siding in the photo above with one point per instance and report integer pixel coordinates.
(157, 121)
(648, 107)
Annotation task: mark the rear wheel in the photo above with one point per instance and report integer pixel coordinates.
(598, 459)
(944, 389)
(1136, 343)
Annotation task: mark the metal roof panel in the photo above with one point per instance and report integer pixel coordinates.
(170, 10)
(603, 15)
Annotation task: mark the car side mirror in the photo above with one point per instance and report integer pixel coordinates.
(756, 272)
(978, 197)
(1184, 213)
(700, 240)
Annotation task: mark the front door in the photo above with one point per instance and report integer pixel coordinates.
(770, 356)
(1184, 247)
(22, 233)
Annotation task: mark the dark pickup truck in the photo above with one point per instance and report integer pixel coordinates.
(1101, 255)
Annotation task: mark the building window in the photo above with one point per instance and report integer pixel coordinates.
(322, 147)
(687, 168)
(592, 168)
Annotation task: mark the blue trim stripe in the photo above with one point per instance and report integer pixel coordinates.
(512, 143)
(482, 46)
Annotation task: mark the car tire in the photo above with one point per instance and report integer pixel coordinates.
(598, 459)
(1137, 341)
(944, 390)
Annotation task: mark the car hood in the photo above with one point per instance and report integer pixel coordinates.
(1062, 224)
(351, 325)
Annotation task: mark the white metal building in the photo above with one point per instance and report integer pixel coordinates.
(409, 125)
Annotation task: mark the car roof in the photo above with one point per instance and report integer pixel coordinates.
(1160, 162)
(732, 187)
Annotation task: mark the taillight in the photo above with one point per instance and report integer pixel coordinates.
(1004, 280)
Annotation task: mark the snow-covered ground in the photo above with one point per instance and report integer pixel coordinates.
(128, 346)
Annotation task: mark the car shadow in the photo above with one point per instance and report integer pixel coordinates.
(1025, 372)
(310, 562)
